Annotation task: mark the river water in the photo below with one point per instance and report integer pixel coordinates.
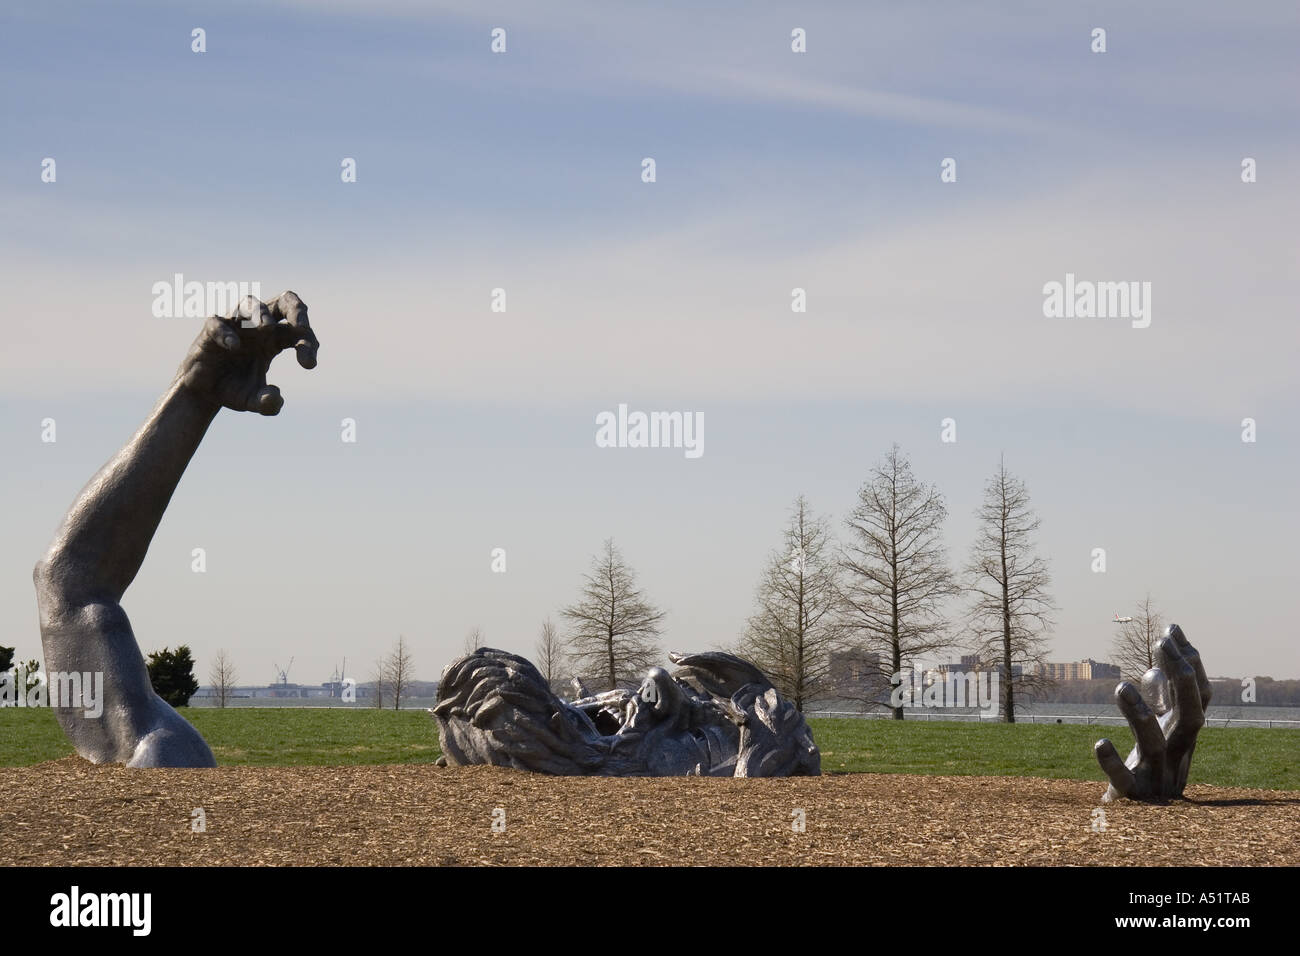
(1248, 715)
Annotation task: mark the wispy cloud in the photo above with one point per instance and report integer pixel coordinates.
(786, 88)
(949, 304)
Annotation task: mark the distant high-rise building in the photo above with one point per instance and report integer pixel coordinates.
(971, 664)
(854, 670)
(1086, 669)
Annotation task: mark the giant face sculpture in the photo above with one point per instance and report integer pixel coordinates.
(715, 716)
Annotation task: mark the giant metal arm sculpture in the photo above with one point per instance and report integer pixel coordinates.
(103, 539)
(1165, 717)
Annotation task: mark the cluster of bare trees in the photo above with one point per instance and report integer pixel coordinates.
(880, 596)
(393, 674)
(882, 593)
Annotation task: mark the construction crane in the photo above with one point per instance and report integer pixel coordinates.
(337, 679)
(282, 676)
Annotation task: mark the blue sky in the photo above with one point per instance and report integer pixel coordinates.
(774, 170)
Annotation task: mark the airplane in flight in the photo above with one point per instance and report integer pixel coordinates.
(1123, 620)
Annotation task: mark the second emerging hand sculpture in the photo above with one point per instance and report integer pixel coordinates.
(1165, 716)
(102, 542)
(715, 716)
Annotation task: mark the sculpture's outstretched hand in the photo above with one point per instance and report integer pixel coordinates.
(1165, 717)
(230, 358)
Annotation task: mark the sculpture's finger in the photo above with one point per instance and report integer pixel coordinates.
(289, 307)
(266, 401)
(300, 338)
(252, 313)
(1189, 715)
(1120, 776)
(222, 333)
(1182, 681)
(1193, 657)
(1155, 691)
(1146, 729)
(307, 347)
(297, 331)
(292, 310)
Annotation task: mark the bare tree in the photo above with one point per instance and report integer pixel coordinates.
(794, 630)
(612, 627)
(550, 653)
(397, 670)
(895, 573)
(378, 676)
(1010, 616)
(473, 641)
(222, 676)
(1135, 643)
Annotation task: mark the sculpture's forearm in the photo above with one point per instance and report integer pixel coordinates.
(106, 533)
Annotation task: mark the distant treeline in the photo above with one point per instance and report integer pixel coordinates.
(1227, 692)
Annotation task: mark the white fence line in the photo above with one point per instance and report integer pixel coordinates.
(930, 714)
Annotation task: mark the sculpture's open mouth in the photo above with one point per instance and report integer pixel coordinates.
(608, 722)
(609, 713)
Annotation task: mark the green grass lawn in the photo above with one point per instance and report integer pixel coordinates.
(1230, 757)
(256, 737)
(1225, 756)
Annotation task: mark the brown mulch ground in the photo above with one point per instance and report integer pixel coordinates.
(69, 812)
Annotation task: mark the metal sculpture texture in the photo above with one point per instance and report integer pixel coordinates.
(103, 539)
(715, 716)
(1165, 717)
